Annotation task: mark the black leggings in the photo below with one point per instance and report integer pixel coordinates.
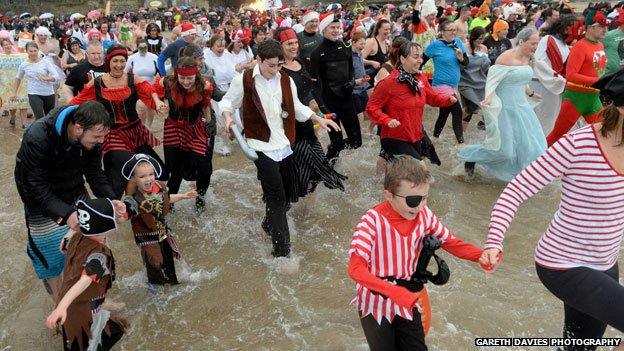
(401, 334)
(592, 300)
(202, 168)
(344, 109)
(41, 105)
(457, 112)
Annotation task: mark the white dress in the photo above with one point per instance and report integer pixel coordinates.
(547, 85)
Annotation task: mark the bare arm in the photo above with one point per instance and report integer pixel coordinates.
(60, 312)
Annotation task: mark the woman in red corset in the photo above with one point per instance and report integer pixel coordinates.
(188, 154)
(119, 92)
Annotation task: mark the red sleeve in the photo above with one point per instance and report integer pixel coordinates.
(433, 98)
(158, 87)
(145, 90)
(458, 248)
(87, 94)
(94, 277)
(575, 64)
(358, 271)
(377, 102)
(208, 93)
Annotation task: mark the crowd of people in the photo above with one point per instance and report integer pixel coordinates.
(522, 74)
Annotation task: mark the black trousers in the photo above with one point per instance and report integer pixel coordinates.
(275, 179)
(344, 109)
(394, 147)
(401, 334)
(592, 300)
(114, 161)
(164, 274)
(41, 105)
(456, 111)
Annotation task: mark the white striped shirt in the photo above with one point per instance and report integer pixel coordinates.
(588, 226)
(389, 254)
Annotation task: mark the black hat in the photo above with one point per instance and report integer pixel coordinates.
(96, 216)
(612, 87)
(130, 165)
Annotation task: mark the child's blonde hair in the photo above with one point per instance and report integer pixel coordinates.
(405, 168)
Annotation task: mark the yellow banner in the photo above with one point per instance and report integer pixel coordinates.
(8, 71)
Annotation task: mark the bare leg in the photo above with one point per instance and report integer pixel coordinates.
(23, 116)
(308, 203)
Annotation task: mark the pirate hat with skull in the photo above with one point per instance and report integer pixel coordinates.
(128, 168)
(96, 216)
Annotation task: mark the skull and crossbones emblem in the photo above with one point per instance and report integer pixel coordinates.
(83, 218)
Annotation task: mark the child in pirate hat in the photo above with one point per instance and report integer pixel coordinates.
(88, 274)
(151, 233)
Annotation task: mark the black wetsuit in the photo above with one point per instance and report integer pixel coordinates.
(332, 67)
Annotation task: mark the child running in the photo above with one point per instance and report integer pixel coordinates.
(386, 252)
(88, 274)
(158, 247)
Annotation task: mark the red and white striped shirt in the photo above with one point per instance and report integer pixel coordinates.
(390, 254)
(588, 226)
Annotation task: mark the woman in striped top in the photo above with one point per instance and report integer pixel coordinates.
(576, 258)
(385, 248)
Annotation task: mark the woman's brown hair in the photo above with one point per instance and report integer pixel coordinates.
(611, 121)
(215, 39)
(177, 90)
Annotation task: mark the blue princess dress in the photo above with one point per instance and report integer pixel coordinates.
(514, 136)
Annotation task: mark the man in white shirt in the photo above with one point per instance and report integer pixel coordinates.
(270, 108)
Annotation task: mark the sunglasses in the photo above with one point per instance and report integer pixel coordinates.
(412, 200)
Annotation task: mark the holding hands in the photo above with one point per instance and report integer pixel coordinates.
(490, 259)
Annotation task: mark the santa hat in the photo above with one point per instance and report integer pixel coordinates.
(620, 17)
(188, 29)
(128, 168)
(96, 216)
(427, 8)
(326, 19)
(203, 19)
(595, 17)
(309, 16)
(284, 8)
(448, 11)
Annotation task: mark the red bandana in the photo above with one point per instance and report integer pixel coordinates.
(186, 71)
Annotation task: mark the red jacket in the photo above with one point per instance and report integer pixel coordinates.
(394, 100)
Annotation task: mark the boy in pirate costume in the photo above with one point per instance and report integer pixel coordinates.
(151, 234)
(389, 254)
(88, 274)
(270, 107)
(587, 61)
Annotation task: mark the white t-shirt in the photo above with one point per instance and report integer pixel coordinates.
(32, 70)
(223, 66)
(243, 57)
(144, 66)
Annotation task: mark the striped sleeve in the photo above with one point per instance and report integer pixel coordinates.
(364, 236)
(434, 227)
(552, 164)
